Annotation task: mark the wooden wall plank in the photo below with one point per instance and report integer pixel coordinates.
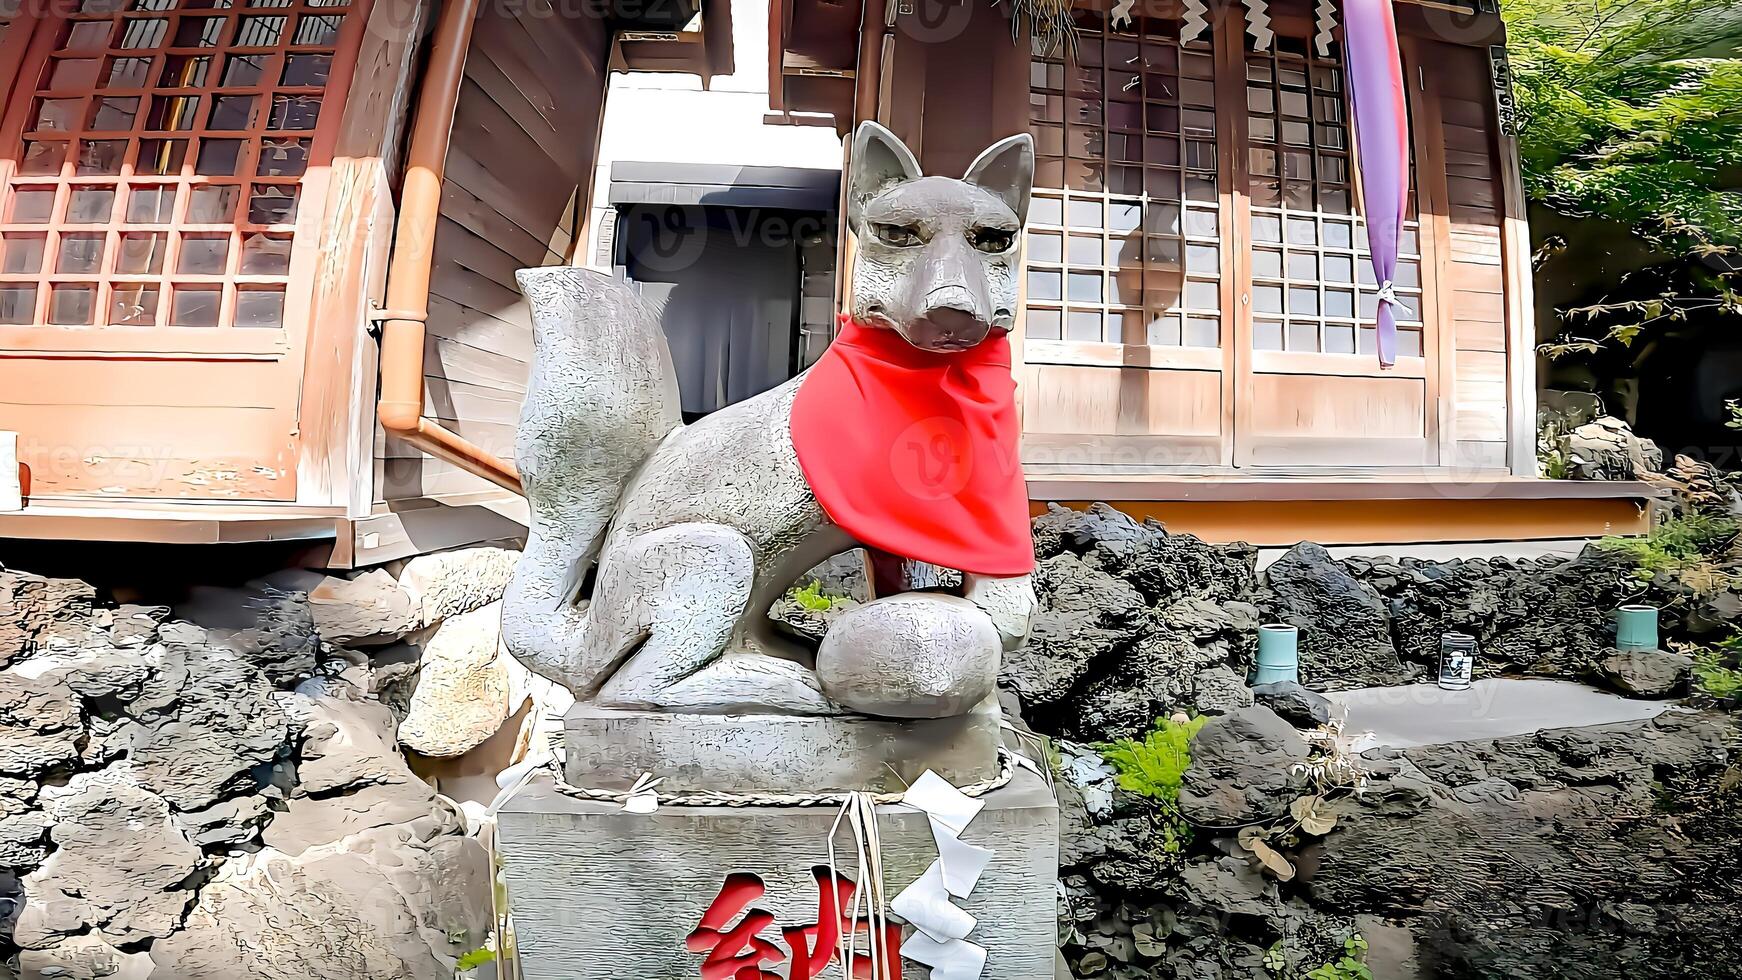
(1318, 406)
(1071, 399)
(520, 169)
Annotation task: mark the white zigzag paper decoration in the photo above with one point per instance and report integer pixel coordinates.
(1195, 21)
(1327, 11)
(1258, 24)
(1120, 15)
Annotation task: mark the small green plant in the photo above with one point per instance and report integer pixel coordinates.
(473, 959)
(1153, 769)
(1154, 766)
(811, 597)
(1681, 543)
(1714, 673)
(1352, 965)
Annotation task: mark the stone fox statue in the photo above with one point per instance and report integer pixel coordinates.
(902, 439)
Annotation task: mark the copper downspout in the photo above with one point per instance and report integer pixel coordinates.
(402, 328)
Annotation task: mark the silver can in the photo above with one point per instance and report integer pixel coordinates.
(1457, 661)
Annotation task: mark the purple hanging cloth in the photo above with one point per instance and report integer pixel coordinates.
(1382, 136)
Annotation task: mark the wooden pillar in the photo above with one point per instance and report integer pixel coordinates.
(957, 81)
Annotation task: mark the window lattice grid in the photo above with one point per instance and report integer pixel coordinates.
(1124, 240)
(1313, 288)
(158, 177)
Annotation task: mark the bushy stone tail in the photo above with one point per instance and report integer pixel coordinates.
(601, 396)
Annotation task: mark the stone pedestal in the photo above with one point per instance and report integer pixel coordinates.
(601, 894)
(610, 748)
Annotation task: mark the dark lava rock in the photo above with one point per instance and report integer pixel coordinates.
(1654, 674)
(1083, 614)
(38, 613)
(1159, 673)
(1241, 769)
(1547, 616)
(1345, 631)
(1547, 855)
(1297, 705)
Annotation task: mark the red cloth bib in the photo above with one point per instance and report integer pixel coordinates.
(915, 452)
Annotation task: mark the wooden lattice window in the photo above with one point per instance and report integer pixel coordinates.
(162, 154)
(1124, 241)
(1312, 278)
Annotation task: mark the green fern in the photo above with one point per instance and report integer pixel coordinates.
(1154, 766)
(1676, 544)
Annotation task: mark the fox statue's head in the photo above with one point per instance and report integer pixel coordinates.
(938, 258)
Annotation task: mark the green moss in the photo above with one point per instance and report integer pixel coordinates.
(1676, 544)
(1152, 768)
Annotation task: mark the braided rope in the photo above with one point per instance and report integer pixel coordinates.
(1006, 772)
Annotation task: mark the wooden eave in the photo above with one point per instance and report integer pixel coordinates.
(812, 54)
(706, 52)
(1281, 511)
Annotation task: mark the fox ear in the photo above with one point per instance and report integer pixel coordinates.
(880, 161)
(1006, 169)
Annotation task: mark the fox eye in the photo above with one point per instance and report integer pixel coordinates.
(900, 236)
(992, 239)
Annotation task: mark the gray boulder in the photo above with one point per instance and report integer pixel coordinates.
(263, 625)
(1241, 769)
(1345, 630)
(222, 723)
(1607, 449)
(1221, 691)
(40, 725)
(1652, 674)
(1295, 704)
(118, 865)
(384, 905)
(42, 614)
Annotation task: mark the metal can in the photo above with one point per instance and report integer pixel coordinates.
(1457, 661)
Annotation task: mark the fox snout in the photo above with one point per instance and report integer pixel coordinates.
(951, 308)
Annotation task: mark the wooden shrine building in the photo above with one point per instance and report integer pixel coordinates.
(256, 259)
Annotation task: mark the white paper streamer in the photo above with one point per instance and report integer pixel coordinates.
(957, 959)
(1258, 24)
(643, 798)
(945, 803)
(942, 927)
(1120, 15)
(926, 906)
(1195, 21)
(1327, 24)
(962, 862)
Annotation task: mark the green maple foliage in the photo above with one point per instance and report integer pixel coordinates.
(1632, 110)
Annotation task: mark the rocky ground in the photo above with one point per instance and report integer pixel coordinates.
(209, 792)
(1591, 853)
(217, 786)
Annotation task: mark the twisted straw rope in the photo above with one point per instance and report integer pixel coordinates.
(1006, 772)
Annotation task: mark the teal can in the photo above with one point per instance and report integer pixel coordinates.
(1278, 654)
(1636, 628)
